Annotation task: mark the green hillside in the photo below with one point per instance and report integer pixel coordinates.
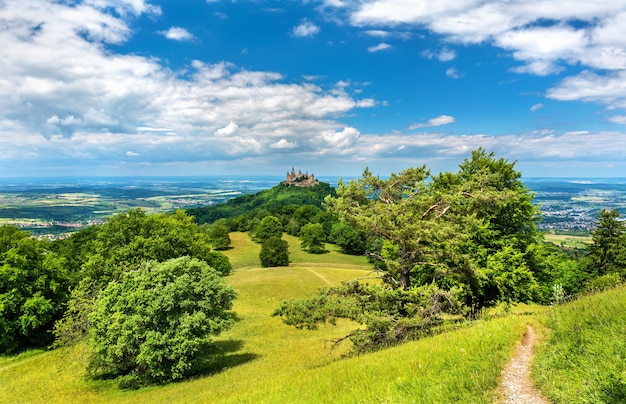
(267, 361)
(270, 200)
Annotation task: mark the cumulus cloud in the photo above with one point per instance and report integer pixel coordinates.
(283, 144)
(377, 48)
(67, 97)
(543, 36)
(132, 154)
(305, 29)
(177, 34)
(227, 130)
(437, 121)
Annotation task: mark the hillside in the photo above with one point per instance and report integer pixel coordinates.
(265, 361)
(271, 200)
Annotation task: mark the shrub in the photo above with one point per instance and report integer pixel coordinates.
(274, 253)
(153, 325)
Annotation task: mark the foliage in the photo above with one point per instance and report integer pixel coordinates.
(312, 238)
(33, 290)
(581, 361)
(468, 236)
(122, 244)
(351, 239)
(391, 315)
(607, 252)
(266, 362)
(269, 227)
(274, 252)
(153, 324)
(218, 235)
(274, 199)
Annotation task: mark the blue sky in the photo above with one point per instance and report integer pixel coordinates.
(254, 87)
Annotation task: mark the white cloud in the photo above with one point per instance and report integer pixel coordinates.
(437, 121)
(381, 46)
(454, 73)
(132, 154)
(227, 130)
(177, 34)
(444, 55)
(305, 29)
(66, 97)
(619, 119)
(544, 36)
(536, 107)
(366, 103)
(283, 144)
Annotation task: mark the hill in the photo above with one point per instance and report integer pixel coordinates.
(265, 361)
(272, 200)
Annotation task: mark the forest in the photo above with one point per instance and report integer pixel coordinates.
(148, 293)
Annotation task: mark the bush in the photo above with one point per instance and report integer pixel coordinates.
(312, 238)
(269, 227)
(153, 325)
(274, 253)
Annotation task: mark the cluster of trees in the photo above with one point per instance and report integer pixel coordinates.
(148, 289)
(453, 243)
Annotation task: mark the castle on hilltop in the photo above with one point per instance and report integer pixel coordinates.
(300, 180)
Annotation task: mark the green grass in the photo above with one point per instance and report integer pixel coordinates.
(568, 240)
(583, 357)
(265, 361)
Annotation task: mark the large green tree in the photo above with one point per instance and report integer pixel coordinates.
(456, 237)
(153, 324)
(312, 238)
(123, 244)
(607, 252)
(269, 227)
(34, 285)
(274, 253)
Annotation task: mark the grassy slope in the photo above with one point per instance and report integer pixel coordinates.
(267, 362)
(583, 357)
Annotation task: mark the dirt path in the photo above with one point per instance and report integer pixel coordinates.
(516, 387)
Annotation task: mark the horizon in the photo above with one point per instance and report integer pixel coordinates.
(164, 88)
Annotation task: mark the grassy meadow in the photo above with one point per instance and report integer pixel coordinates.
(264, 361)
(582, 358)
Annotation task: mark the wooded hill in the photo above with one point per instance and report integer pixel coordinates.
(279, 198)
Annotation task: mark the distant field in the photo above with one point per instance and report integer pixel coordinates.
(570, 241)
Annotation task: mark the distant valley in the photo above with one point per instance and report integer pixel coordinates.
(49, 207)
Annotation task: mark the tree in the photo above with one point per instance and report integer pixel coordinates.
(274, 253)
(403, 211)
(607, 252)
(456, 237)
(219, 236)
(34, 287)
(351, 240)
(312, 238)
(153, 324)
(123, 244)
(269, 227)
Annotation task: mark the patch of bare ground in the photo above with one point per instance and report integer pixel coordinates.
(516, 387)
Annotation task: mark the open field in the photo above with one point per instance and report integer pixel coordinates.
(265, 361)
(568, 241)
